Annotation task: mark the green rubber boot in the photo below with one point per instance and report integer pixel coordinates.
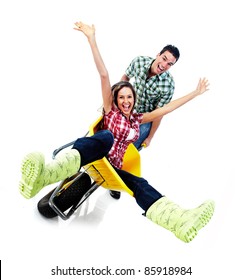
(36, 175)
(185, 224)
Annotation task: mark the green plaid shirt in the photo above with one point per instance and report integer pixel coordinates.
(153, 92)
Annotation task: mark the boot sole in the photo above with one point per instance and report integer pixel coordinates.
(189, 230)
(32, 166)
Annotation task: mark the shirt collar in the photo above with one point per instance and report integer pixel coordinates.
(147, 66)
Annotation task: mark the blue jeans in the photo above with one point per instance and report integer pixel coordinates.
(144, 193)
(96, 147)
(144, 133)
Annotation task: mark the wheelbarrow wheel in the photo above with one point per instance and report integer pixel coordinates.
(67, 198)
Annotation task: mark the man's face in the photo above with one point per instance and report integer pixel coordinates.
(162, 63)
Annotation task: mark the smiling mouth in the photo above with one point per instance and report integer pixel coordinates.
(161, 69)
(126, 107)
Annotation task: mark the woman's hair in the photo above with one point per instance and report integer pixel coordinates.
(118, 86)
(115, 89)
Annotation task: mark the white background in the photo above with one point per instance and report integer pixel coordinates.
(50, 93)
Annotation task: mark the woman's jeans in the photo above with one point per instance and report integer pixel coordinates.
(144, 193)
(96, 147)
(144, 133)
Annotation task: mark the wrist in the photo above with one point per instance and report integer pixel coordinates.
(91, 38)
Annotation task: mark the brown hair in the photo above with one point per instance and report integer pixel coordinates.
(118, 86)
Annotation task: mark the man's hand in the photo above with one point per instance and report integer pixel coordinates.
(146, 143)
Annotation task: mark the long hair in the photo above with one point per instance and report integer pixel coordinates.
(115, 89)
(118, 86)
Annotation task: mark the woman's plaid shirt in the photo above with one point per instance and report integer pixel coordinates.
(120, 126)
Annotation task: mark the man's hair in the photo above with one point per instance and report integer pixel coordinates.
(173, 50)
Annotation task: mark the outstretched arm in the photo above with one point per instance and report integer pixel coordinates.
(173, 105)
(89, 32)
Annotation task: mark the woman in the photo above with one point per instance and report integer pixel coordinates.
(121, 127)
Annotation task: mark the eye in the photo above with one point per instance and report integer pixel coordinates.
(121, 97)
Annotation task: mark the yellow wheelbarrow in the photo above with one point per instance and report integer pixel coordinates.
(72, 192)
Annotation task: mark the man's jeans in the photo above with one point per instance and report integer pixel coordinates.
(96, 147)
(144, 133)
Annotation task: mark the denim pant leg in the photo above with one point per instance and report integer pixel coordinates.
(94, 147)
(144, 133)
(144, 193)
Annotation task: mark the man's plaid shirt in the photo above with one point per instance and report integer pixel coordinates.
(153, 92)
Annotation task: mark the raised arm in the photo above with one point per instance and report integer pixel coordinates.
(173, 105)
(89, 32)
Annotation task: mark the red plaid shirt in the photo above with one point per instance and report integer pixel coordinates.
(121, 128)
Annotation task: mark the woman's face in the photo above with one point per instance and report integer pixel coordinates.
(125, 101)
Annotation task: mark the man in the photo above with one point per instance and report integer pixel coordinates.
(154, 86)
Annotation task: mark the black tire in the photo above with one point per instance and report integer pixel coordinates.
(68, 198)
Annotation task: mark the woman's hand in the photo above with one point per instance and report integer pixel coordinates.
(202, 86)
(87, 30)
